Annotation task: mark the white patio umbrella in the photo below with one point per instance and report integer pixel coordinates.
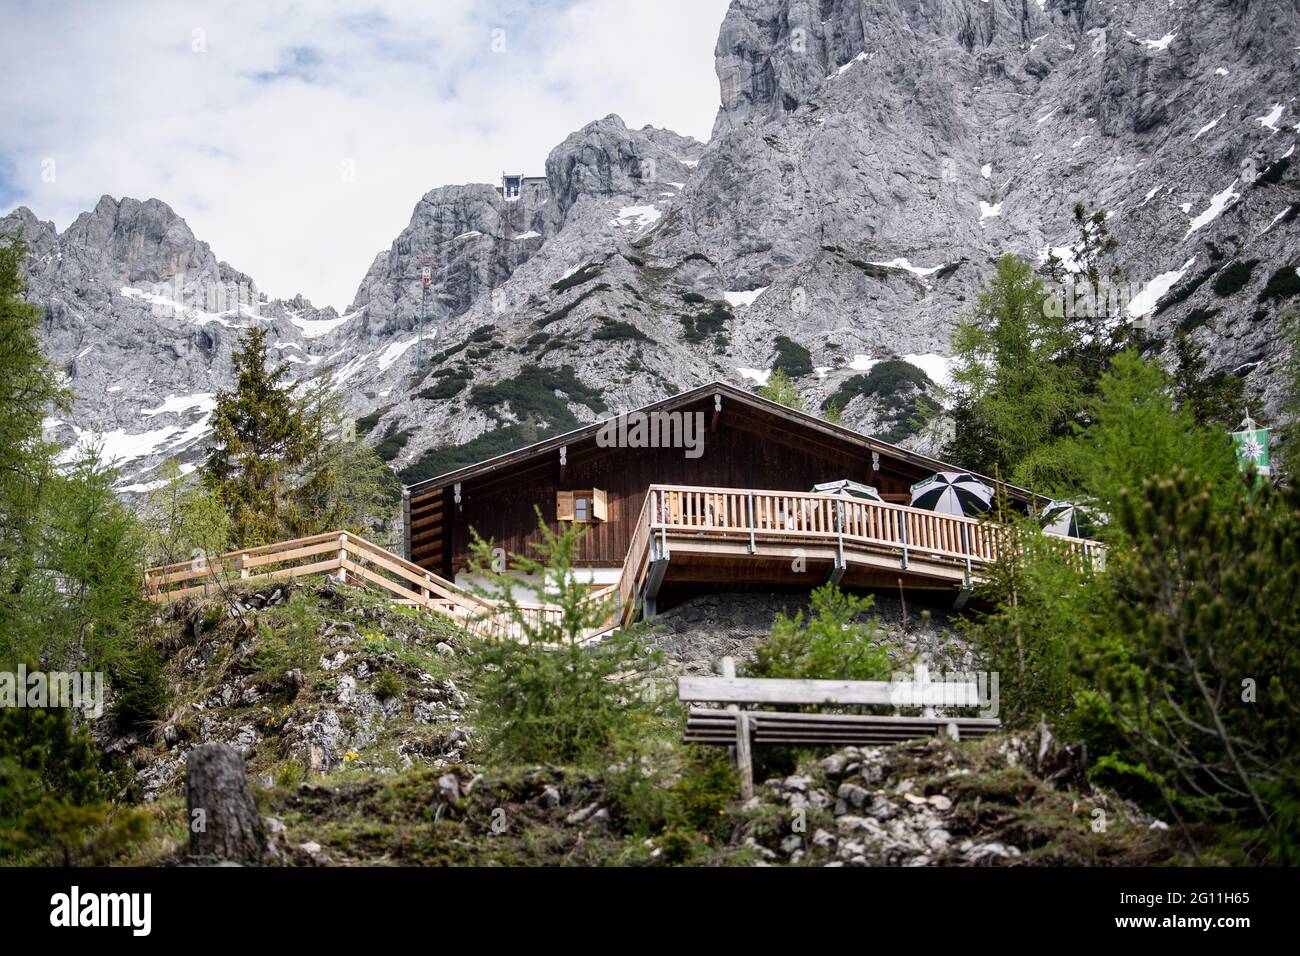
(952, 493)
(849, 489)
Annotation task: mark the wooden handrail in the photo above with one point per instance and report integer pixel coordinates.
(364, 562)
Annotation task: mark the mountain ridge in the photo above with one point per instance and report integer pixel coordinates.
(869, 162)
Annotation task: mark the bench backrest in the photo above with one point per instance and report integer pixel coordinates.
(762, 690)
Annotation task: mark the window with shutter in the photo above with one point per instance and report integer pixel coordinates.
(586, 506)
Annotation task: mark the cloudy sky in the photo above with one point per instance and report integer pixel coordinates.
(295, 138)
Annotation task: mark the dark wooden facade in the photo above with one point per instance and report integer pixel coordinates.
(748, 443)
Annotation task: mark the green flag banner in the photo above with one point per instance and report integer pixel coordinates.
(1251, 446)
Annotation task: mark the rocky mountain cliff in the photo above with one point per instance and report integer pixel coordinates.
(869, 162)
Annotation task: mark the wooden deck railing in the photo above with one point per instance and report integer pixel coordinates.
(750, 516)
(366, 564)
(940, 545)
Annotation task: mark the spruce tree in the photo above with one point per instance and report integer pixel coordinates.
(260, 442)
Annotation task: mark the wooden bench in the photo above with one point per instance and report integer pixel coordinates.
(745, 729)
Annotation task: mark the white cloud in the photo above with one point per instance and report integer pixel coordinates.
(299, 139)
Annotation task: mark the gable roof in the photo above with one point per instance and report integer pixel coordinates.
(730, 392)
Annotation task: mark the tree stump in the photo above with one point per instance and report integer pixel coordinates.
(224, 825)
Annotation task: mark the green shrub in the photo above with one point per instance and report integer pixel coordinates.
(482, 334)
(141, 693)
(388, 684)
(367, 423)
(585, 274)
(1282, 284)
(393, 443)
(531, 395)
(449, 384)
(612, 330)
(693, 298)
(878, 272)
(681, 807)
(831, 643)
(287, 638)
(438, 461)
(792, 358)
(1184, 291)
(563, 312)
(780, 389)
(1233, 277)
(1273, 174)
(53, 795)
(1195, 319)
(885, 379)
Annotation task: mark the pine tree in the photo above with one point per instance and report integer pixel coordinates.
(1198, 661)
(1138, 431)
(260, 442)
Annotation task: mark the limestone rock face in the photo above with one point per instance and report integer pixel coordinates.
(869, 162)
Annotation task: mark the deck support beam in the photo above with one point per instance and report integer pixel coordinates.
(963, 595)
(655, 578)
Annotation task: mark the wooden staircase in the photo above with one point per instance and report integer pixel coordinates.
(348, 557)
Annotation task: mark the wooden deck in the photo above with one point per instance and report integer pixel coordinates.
(688, 535)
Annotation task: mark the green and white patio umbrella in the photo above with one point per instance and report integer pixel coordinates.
(849, 489)
(1070, 519)
(952, 493)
